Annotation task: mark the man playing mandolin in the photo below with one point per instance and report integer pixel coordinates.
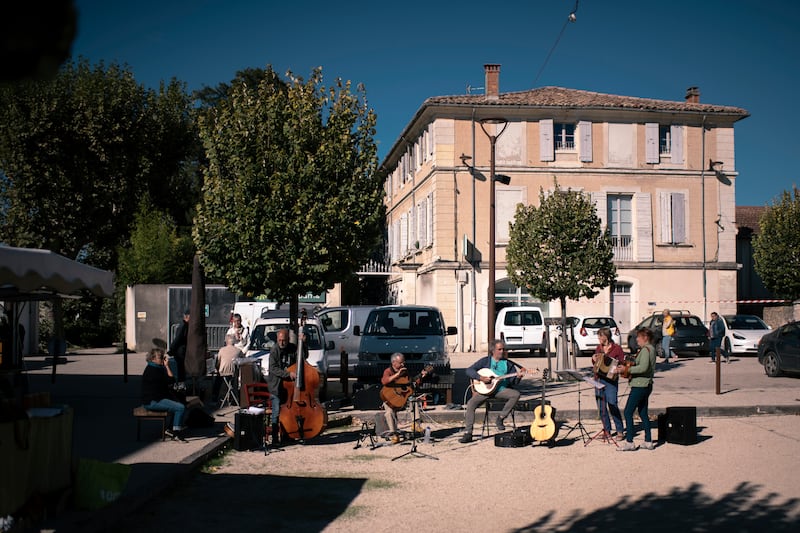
(499, 365)
(394, 375)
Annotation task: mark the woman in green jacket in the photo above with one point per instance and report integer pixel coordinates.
(641, 375)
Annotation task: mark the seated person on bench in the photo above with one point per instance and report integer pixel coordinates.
(157, 380)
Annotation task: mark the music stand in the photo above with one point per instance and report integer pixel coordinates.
(413, 451)
(574, 375)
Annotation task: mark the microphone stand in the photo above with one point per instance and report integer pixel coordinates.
(413, 451)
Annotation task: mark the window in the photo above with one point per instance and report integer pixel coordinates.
(564, 136)
(664, 140)
(620, 225)
(673, 217)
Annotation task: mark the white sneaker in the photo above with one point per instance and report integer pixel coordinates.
(628, 447)
(648, 446)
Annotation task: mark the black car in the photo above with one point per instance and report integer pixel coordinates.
(690, 333)
(779, 350)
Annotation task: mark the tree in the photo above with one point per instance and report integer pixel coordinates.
(292, 199)
(156, 254)
(77, 152)
(776, 250)
(559, 250)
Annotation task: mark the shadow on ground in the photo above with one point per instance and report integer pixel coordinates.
(683, 509)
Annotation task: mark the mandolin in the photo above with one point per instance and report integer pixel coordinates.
(543, 427)
(396, 394)
(488, 388)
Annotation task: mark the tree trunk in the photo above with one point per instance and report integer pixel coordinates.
(564, 360)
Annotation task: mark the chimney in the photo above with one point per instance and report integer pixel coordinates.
(492, 83)
(693, 95)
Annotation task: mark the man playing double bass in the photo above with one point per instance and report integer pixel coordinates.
(396, 371)
(282, 355)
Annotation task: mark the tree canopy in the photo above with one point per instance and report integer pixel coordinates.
(559, 250)
(776, 249)
(292, 198)
(78, 152)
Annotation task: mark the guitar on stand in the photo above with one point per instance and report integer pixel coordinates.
(543, 427)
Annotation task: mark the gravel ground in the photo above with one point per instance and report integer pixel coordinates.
(740, 476)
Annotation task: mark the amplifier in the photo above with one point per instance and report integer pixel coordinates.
(368, 399)
(249, 431)
(681, 425)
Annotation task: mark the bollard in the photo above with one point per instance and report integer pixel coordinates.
(124, 362)
(343, 372)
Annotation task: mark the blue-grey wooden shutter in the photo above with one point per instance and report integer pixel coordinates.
(651, 142)
(676, 150)
(546, 150)
(678, 217)
(585, 136)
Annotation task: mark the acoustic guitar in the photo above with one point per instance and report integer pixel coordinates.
(488, 388)
(544, 426)
(396, 393)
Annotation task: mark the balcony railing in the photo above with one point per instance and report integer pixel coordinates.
(623, 249)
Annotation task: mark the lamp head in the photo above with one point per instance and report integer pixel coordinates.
(502, 178)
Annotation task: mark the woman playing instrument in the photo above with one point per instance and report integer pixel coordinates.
(641, 375)
(607, 356)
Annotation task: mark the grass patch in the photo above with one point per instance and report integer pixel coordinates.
(380, 484)
(220, 459)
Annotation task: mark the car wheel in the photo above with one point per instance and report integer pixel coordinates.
(576, 350)
(727, 346)
(659, 350)
(771, 366)
(323, 387)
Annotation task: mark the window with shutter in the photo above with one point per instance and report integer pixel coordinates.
(676, 144)
(643, 240)
(546, 152)
(564, 135)
(429, 220)
(673, 217)
(403, 235)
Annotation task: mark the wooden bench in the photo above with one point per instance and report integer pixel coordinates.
(140, 413)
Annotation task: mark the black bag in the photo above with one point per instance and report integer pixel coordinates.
(197, 418)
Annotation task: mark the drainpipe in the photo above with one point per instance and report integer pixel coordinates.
(473, 288)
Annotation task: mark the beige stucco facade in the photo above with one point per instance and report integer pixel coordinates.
(671, 214)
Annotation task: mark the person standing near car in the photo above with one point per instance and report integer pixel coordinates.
(241, 334)
(717, 333)
(178, 350)
(605, 359)
(667, 331)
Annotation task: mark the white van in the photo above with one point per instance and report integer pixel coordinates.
(337, 324)
(522, 328)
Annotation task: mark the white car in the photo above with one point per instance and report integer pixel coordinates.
(522, 328)
(742, 333)
(585, 331)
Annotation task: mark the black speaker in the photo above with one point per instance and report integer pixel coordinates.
(682, 425)
(249, 431)
(662, 427)
(368, 399)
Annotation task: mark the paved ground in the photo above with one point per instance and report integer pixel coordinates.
(93, 383)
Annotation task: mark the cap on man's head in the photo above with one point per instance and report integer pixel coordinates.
(186, 312)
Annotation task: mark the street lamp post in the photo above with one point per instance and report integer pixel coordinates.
(493, 136)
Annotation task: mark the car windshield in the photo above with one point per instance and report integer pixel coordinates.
(599, 322)
(690, 321)
(745, 322)
(265, 335)
(403, 322)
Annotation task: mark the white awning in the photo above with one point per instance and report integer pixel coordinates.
(32, 273)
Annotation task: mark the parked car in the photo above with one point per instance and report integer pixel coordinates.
(690, 333)
(416, 331)
(742, 333)
(779, 350)
(584, 329)
(265, 334)
(522, 328)
(337, 324)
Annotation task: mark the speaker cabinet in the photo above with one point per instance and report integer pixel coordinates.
(681, 425)
(249, 431)
(368, 399)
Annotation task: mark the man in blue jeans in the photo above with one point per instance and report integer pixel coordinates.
(667, 331)
(717, 332)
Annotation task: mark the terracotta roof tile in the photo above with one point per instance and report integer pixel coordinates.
(574, 98)
(747, 216)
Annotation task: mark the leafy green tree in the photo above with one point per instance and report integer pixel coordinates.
(776, 250)
(558, 250)
(156, 254)
(78, 151)
(292, 200)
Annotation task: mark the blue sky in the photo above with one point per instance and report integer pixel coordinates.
(743, 53)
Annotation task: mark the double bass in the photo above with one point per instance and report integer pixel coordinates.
(302, 416)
